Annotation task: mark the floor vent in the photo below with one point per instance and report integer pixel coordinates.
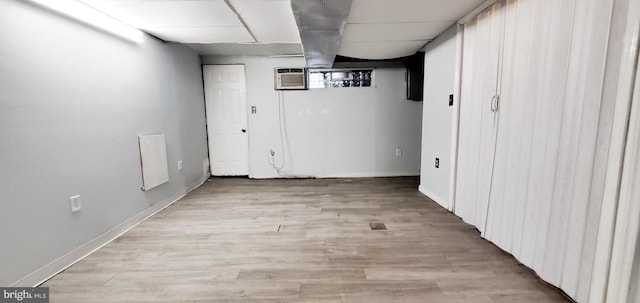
(377, 226)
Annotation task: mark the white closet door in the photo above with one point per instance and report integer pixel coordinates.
(540, 198)
(534, 80)
(480, 68)
(546, 192)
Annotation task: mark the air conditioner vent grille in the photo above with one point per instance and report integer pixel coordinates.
(290, 78)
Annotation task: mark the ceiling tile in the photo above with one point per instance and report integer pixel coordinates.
(386, 11)
(380, 50)
(203, 34)
(271, 21)
(372, 32)
(145, 14)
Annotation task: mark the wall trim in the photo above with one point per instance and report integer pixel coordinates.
(56, 266)
(441, 201)
(455, 122)
(357, 175)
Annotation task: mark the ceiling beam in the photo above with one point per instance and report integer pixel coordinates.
(228, 2)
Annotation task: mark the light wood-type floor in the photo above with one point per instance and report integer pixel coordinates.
(241, 240)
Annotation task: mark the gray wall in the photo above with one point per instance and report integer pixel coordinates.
(439, 83)
(73, 100)
(333, 132)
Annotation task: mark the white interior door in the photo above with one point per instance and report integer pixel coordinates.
(226, 109)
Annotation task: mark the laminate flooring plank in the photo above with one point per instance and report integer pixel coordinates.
(238, 240)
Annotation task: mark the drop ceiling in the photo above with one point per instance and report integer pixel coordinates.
(375, 29)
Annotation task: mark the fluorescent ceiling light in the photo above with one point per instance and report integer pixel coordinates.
(91, 16)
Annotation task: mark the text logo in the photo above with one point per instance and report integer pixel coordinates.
(24, 294)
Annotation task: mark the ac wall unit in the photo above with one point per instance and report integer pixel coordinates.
(290, 78)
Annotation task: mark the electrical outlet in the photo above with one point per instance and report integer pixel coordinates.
(74, 203)
(180, 165)
(254, 109)
(437, 162)
(398, 152)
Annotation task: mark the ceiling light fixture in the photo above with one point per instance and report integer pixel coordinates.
(89, 15)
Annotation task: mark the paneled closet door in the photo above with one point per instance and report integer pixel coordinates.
(534, 82)
(552, 138)
(478, 114)
(531, 178)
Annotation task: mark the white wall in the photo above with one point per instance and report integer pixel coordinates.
(437, 116)
(73, 100)
(340, 132)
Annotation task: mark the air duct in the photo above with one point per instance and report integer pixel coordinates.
(320, 23)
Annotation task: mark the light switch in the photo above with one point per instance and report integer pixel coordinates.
(74, 203)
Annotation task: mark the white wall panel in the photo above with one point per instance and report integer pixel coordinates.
(153, 159)
(437, 116)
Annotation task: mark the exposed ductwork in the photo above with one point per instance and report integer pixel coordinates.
(320, 23)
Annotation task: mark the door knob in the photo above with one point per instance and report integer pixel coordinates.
(244, 130)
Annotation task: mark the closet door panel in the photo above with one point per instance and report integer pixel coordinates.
(477, 126)
(594, 19)
(544, 132)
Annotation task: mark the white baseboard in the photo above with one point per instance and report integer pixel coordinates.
(348, 175)
(48, 271)
(443, 202)
(372, 175)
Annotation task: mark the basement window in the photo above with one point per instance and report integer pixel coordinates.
(328, 78)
